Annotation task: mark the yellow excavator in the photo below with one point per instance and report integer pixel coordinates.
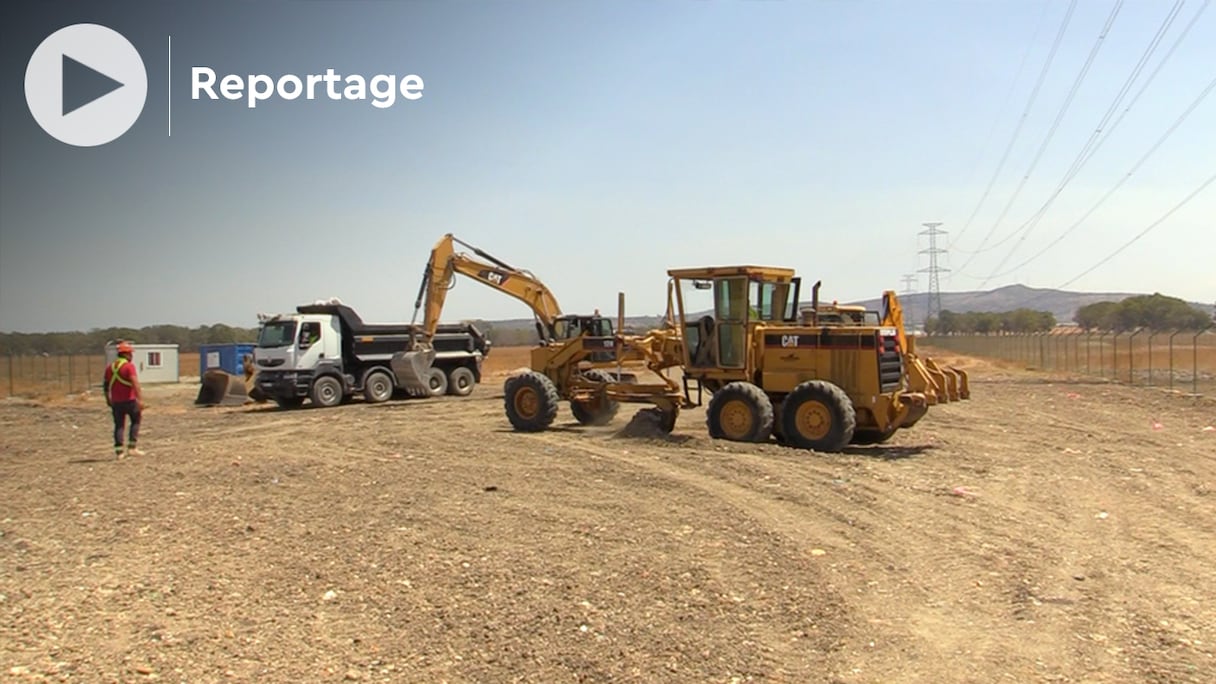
(573, 360)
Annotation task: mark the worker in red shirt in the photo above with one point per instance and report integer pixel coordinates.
(125, 398)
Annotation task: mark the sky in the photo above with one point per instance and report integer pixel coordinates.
(600, 143)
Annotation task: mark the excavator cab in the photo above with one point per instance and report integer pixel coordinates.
(594, 328)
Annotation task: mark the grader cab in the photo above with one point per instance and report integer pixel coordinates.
(773, 370)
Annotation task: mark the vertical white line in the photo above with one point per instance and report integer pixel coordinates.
(170, 90)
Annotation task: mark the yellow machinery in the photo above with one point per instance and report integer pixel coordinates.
(774, 372)
(940, 384)
(571, 361)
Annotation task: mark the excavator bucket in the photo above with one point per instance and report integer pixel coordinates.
(413, 371)
(220, 388)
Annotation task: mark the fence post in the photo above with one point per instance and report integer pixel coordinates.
(1131, 363)
(1114, 356)
(10, 374)
(1151, 335)
(1172, 336)
(1195, 360)
(1102, 354)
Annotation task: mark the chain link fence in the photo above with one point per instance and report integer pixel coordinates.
(1183, 361)
(62, 374)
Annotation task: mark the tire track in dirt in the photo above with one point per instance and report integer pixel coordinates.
(789, 519)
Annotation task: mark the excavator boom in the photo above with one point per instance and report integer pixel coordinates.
(413, 366)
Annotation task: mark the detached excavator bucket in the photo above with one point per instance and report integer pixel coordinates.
(413, 371)
(220, 388)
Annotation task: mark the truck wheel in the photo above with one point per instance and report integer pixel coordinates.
(461, 381)
(531, 401)
(438, 382)
(740, 412)
(599, 411)
(326, 391)
(378, 387)
(286, 403)
(818, 415)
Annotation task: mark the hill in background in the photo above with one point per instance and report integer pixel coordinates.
(1062, 304)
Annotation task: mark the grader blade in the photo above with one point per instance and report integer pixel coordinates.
(413, 371)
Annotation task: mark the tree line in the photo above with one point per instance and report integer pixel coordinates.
(94, 341)
(1154, 312)
(988, 322)
(187, 339)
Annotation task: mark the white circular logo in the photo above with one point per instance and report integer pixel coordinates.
(86, 85)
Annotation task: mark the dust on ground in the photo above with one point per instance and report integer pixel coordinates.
(1051, 529)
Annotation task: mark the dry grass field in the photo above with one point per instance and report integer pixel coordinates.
(1052, 529)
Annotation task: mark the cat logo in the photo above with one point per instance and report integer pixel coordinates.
(493, 277)
(789, 340)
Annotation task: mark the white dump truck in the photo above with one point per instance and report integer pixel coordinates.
(326, 354)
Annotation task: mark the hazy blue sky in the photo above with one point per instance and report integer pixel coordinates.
(600, 143)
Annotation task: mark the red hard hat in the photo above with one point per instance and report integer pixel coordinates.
(125, 347)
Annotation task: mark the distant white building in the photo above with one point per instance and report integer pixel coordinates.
(155, 362)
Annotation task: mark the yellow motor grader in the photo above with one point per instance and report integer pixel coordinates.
(775, 371)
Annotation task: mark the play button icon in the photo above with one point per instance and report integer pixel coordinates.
(82, 85)
(86, 85)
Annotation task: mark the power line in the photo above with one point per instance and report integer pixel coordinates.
(1076, 86)
(1034, 94)
(1102, 200)
(1142, 233)
(1091, 145)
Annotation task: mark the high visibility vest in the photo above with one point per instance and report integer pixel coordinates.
(114, 376)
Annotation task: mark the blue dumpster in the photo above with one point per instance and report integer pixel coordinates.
(225, 357)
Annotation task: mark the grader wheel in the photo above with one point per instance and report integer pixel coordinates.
(531, 401)
(818, 415)
(740, 412)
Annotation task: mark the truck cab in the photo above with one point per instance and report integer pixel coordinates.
(298, 342)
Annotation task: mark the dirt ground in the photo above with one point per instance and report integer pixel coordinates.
(1049, 530)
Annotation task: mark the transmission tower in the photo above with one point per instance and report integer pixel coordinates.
(909, 289)
(933, 308)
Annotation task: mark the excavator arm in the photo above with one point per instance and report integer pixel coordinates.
(446, 262)
(412, 367)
